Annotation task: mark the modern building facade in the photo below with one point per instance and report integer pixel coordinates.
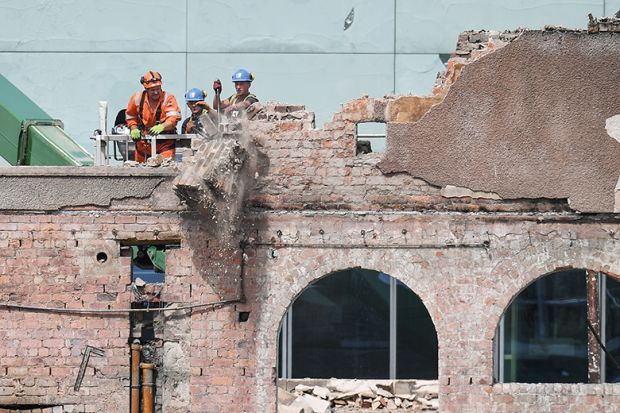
(68, 55)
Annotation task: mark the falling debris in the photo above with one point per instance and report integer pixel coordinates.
(349, 20)
(604, 24)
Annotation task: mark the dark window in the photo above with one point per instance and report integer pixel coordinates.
(553, 330)
(612, 331)
(342, 325)
(416, 340)
(545, 331)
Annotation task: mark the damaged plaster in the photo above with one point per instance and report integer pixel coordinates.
(48, 188)
(532, 130)
(612, 126)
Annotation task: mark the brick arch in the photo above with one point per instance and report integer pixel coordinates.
(544, 260)
(336, 271)
(328, 270)
(329, 262)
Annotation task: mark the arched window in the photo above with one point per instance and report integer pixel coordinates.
(358, 323)
(562, 328)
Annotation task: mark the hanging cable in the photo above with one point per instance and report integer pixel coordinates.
(114, 310)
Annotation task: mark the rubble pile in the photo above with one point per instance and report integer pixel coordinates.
(337, 395)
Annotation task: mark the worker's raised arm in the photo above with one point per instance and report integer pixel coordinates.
(218, 104)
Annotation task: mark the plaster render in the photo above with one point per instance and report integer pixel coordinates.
(527, 121)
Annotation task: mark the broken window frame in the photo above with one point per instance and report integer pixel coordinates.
(596, 310)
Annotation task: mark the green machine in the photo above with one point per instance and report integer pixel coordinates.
(29, 136)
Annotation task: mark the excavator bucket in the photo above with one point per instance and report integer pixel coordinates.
(29, 136)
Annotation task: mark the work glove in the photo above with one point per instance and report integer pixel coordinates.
(217, 86)
(157, 129)
(135, 134)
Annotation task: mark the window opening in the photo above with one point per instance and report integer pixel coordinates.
(562, 328)
(370, 137)
(358, 324)
(148, 262)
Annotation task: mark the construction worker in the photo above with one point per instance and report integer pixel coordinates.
(152, 112)
(239, 101)
(201, 112)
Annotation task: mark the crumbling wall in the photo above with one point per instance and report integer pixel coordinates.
(316, 169)
(527, 121)
(316, 208)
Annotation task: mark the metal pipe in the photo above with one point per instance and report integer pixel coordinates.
(136, 348)
(103, 127)
(153, 146)
(147, 387)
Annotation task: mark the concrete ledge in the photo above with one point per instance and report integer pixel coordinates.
(84, 171)
(74, 188)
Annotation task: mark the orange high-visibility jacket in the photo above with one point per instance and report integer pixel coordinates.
(170, 111)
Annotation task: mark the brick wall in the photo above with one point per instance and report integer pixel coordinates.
(465, 268)
(323, 209)
(316, 169)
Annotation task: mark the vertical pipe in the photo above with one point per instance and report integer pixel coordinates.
(135, 376)
(99, 151)
(289, 343)
(602, 301)
(153, 146)
(103, 127)
(594, 330)
(501, 360)
(393, 329)
(147, 387)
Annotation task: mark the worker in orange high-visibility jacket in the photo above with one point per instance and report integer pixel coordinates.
(151, 112)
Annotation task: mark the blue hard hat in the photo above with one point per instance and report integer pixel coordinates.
(242, 75)
(194, 95)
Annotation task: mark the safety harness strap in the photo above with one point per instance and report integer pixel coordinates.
(233, 98)
(157, 112)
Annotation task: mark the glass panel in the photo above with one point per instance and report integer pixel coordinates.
(341, 327)
(66, 26)
(322, 81)
(546, 333)
(433, 26)
(416, 339)
(285, 26)
(612, 331)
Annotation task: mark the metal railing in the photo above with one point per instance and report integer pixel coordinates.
(105, 142)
